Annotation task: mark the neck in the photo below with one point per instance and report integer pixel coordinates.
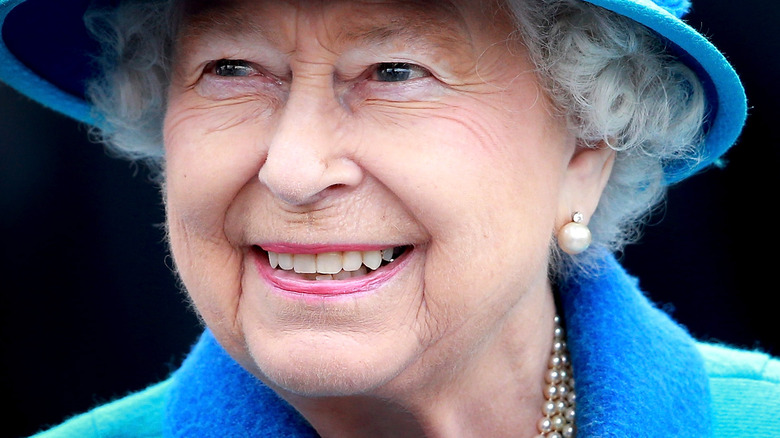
(496, 391)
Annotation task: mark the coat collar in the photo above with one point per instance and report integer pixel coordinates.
(638, 374)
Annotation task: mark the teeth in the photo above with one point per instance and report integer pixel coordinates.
(372, 259)
(331, 265)
(285, 261)
(328, 263)
(305, 263)
(352, 260)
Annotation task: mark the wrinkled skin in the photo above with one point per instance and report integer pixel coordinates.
(288, 126)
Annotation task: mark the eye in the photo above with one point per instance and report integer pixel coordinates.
(225, 79)
(398, 72)
(234, 67)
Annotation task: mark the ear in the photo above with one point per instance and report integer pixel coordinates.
(586, 176)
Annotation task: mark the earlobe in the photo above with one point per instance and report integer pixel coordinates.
(587, 174)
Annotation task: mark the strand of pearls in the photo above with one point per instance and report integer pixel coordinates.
(559, 408)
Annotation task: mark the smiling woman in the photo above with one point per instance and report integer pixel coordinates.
(322, 169)
(387, 213)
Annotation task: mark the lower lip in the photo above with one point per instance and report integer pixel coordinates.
(330, 288)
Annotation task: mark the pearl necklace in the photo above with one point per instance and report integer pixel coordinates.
(560, 404)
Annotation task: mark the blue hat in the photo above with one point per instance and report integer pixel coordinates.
(45, 53)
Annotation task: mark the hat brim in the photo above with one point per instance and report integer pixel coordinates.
(45, 53)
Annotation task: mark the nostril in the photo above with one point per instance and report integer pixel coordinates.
(307, 181)
(295, 186)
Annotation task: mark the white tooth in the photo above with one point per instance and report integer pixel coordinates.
(343, 275)
(324, 277)
(352, 260)
(329, 263)
(305, 263)
(285, 261)
(362, 271)
(387, 254)
(372, 259)
(273, 259)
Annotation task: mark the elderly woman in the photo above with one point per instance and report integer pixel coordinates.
(387, 213)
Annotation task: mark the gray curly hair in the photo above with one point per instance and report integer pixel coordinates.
(612, 80)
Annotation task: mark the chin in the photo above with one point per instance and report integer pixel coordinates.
(328, 366)
(327, 377)
(329, 380)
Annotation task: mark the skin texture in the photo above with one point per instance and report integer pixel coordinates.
(313, 146)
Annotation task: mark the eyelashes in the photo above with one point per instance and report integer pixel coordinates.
(395, 81)
(381, 72)
(398, 72)
(233, 67)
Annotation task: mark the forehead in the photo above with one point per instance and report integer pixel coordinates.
(443, 22)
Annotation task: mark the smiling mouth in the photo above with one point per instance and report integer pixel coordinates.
(335, 265)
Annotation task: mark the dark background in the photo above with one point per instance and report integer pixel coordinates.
(90, 310)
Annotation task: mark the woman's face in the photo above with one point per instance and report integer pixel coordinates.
(302, 133)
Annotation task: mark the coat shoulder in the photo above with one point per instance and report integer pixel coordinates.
(745, 388)
(138, 415)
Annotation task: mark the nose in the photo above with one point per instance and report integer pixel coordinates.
(309, 153)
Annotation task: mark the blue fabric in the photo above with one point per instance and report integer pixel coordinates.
(631, 361)
(212, 396)
(638, 374)
(678, 8)
(51, 65)
(742, 382)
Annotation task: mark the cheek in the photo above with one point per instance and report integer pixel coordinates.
(209, 267)
(464, 170)
(485, 186)
(208, 163)
(205, 169)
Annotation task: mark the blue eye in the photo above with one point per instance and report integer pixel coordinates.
(399, 72)
(233, 67)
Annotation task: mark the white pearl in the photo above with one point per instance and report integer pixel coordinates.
(558, 419)
(558, 422)
(574, 238)
(544, 425)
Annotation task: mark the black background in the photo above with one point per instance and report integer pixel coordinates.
(90, 309)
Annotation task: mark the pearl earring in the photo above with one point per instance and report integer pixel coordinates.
(574, 237)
